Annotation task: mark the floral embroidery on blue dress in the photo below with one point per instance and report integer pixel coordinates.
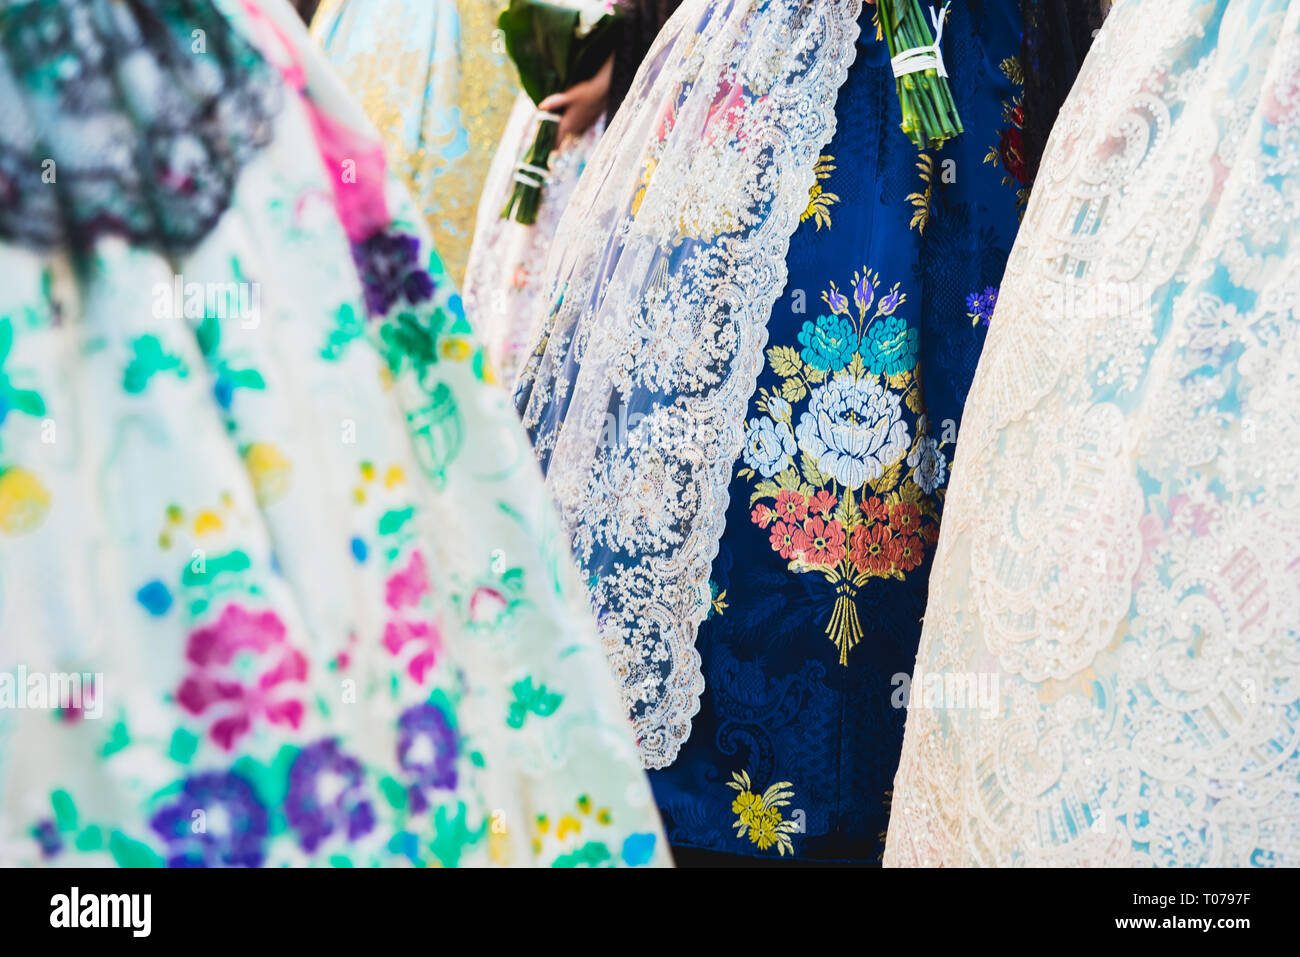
(836, 499)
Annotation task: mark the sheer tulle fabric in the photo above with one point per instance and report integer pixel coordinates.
(667, 263)
(1121, 545)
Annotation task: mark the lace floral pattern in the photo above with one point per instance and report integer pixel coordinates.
(1120, 545)
(667, 264)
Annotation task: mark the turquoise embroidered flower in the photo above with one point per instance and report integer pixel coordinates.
(829, 342)
(890, 347)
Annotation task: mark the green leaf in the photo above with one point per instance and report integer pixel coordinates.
(785, 361)
(129, 853)
(793, 390)
(65, 810)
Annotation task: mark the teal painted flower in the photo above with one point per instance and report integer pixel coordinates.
(890, 347)
(829, 342)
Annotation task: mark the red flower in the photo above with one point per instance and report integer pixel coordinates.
(911, 552)
(904, 518)
(782, 539)
(875, 511)
(762, 516)
(823, 503)
(874, 550)
(819, 543)
(791, 506)
(1012, 152)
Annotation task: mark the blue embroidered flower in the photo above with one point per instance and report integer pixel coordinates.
(931, 468)
(853, 430)
(980, 306)
(829, 342)
(891, 346)
(768, 446)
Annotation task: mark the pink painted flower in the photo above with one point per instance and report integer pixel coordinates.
(407, 587)
(224, 655)
(425, 638)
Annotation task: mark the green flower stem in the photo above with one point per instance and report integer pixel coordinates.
(525, 199)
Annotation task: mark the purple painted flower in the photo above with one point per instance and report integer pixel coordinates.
(390, 270)
(326, 794)
(980, 306)
(217, 820)
(426, 751)
(47, 836)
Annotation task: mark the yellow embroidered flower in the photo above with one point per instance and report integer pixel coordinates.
(745, 804)
(763, 831)
(24, 501)
(759, 817)
(269, 470)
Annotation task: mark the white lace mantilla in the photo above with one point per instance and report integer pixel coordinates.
(667, 264)
(1121, 541)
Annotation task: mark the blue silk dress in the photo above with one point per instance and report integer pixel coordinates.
(819, 585)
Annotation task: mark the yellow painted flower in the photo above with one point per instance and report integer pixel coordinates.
(269, 469)
(24, 501)
(394, 476)
(207, 521)
(458, 350)
(568, 825)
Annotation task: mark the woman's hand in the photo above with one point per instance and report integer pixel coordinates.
(582, 104)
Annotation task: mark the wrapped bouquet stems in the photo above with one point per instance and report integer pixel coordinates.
(929, 113)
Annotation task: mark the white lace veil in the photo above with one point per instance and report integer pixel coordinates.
(664, 273)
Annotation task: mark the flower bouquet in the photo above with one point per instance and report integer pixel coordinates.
(929, 114)
(554, 45)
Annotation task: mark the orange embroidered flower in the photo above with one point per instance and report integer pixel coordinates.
(904, 519)
(911, 552)
(791, 506)
(823, 503)
(874, 550)
(762, 516)
(875, 511)
(782, 539)
(819, 542)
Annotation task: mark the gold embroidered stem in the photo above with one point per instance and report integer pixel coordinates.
(845, 629)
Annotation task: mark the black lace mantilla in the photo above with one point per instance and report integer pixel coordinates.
(125, 117)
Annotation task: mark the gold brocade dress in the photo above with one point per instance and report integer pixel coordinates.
(439, 87)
